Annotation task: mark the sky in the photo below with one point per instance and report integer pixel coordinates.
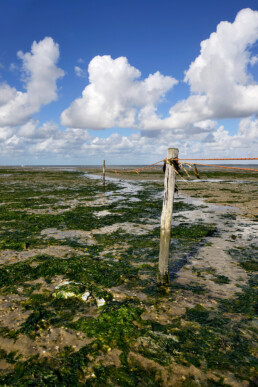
(86, 80)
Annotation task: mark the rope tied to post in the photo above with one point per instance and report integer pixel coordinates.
(173, 162)
(177, 167)
(181, 164)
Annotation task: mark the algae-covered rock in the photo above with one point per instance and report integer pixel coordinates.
(70, 289)
(64, 294)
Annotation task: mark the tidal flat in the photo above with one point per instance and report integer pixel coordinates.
(79, 300)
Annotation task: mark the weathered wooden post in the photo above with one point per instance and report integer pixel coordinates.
(104, 170)
(166, 217)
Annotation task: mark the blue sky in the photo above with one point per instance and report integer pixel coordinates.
(127, 116)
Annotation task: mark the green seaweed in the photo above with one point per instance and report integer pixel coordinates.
(246, 302)
(10, 357)
(220, 279)
(246, 256)
(115, 325)
(66, 370)
(125, 375)
(83, 269)
(214, 343)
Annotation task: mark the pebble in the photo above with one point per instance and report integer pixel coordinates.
(100, 302)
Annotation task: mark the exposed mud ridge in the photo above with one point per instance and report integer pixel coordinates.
(79, 301)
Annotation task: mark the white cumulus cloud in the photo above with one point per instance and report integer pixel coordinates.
(220, 81)
(47, 142)
(115, 95)
(40, 74)
(220, 71)
(245, 139)
(219, 78)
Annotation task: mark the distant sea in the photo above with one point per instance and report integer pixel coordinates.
(125, 166)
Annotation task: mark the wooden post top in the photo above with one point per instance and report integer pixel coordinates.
(172, 153)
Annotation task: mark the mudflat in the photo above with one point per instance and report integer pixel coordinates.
(79, 301)
(234, 188)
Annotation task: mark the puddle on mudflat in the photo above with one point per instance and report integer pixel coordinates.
(12, 256)
(125, 187)
(100, 214)
(204, 212)
(84, 237)
(130, 228)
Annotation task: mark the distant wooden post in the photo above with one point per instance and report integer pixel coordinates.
(104, 170)
(166, 218)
